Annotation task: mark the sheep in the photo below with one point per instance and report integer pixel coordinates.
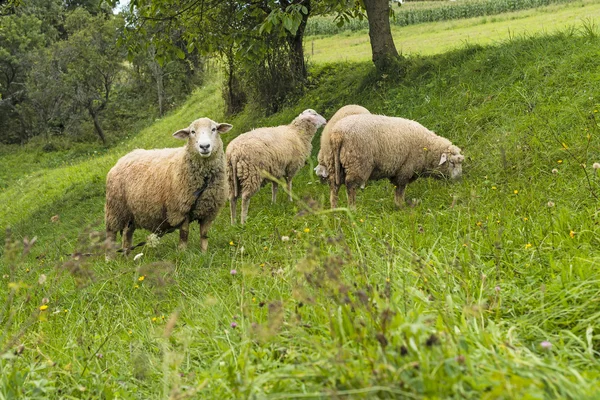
(277, 152)
(325, 157)
(372, 147)
(165, 189)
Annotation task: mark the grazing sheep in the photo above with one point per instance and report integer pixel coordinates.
(372, 147)
(165, 189)
(277, 151)
(325, 156)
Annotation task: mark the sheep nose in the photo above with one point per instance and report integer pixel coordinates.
(204, 147)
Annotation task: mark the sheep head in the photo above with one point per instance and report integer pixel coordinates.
(312, 116)
(203, 136)
(451, 162)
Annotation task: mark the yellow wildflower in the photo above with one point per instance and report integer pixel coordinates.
(479, 223)
(515, 191)
(494, 188)
(231, 243)
(559, 161)
(525, 219)
(141, 278)
(306, 230)
(572, 234)
(528, 245)
(43, 307)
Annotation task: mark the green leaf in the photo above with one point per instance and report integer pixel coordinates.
(288, 24)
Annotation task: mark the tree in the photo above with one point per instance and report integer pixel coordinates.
(20, 36)
(47, 97)
(255, 39)
(385, 55)
(93, 62)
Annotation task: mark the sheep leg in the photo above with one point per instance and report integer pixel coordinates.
(111, 239)
(333, 193)
(245, 205)
(184, 231)
(289, 184)
(204, 235)
(399, 195)
(232, 209)
(351, 189)
(274, 188)
(128, 237)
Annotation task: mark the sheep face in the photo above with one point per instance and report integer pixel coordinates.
(451, 163)
(203, 136)
(314, 117)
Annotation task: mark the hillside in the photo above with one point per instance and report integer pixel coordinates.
(487, 288)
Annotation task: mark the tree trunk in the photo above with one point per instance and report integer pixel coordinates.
(385, 55)
(235, 98)
(296, 45)
(97, 125)
(160, 90)
(158, 75)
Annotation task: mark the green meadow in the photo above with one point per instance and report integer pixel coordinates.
(487, 288)
(435, 38)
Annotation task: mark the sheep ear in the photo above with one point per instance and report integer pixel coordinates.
(222, 128)
(443, 158)
(182, 133)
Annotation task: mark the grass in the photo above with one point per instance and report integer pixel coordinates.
(435, 38)
(487, 288)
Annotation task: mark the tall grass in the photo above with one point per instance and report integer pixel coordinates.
(486, 288)
(403, 16)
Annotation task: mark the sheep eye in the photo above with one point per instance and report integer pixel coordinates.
(193, 132)
(214, 129)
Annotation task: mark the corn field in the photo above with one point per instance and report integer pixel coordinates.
(409, 14)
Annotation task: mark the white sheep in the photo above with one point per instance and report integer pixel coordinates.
(165, 189)
(277, 152)
(325, 157)
(372, 147)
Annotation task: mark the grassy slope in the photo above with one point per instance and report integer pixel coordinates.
(428, 39)
(449, 298)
